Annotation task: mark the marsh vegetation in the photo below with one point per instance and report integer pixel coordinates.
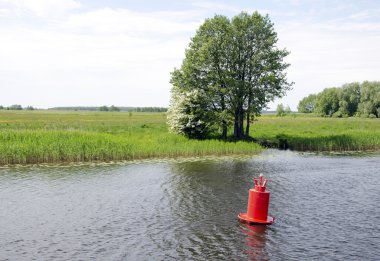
(52, 136)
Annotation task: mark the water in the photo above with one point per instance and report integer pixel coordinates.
(326, 208)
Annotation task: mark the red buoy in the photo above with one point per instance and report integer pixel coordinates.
(258, 204)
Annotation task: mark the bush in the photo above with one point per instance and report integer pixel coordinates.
(372, 116)
(364, 115)
(337, 114)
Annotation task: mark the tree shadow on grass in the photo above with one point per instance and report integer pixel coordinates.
(319, 143)
(302, 143)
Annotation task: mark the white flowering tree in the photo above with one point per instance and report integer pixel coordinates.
(188, 114)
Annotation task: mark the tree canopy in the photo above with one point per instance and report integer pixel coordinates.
(231, 70)
(349, 100)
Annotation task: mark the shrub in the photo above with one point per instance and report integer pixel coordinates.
(337, 114)
(372, 116)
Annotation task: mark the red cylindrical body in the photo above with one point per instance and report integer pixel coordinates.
(258, 203)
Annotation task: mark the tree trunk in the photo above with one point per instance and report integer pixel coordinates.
(241, 124)
(224, 129)
(224, 122)
(248, 123)
(248, 114)
(236, 124)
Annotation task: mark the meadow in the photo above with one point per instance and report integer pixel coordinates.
(60, 136)
(303, 132)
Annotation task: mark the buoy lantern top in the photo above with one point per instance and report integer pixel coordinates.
(260, 183)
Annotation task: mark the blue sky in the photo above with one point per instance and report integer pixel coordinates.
(91, 52)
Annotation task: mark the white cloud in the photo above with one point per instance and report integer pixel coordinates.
(41, 7)
(215, 6)
(124, 57)
(107, 56)
(329, 54)
(111, 21)
(4, 12)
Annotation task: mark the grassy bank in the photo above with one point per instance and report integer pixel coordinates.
(39, 136)
(310, 133)
(48, 136)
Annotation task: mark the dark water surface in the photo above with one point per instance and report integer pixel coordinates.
(326, 208)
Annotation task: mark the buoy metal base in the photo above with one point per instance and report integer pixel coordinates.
(244, 218)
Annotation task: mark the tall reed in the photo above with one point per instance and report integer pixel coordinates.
(34, 137)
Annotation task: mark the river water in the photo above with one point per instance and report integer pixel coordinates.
(326, 208)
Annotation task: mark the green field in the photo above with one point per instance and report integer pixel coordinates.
(48, 136)
(308, 133)
(51, 136)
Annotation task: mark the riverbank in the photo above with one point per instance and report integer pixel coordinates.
(48, 136)
(310, 133)
(44, 137)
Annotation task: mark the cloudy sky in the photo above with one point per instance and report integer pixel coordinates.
(121, 52)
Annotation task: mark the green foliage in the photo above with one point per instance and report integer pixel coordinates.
(236, 69)
(370, 99)
(353, 99)
(307, 104)
(1, 107)
(349, 98)
(372, 116)
(328, 101)
(337, 114)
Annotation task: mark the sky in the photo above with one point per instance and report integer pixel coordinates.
(121, 52)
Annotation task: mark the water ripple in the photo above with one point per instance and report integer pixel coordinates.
(326, 208)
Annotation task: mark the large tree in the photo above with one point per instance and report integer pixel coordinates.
(231, 70)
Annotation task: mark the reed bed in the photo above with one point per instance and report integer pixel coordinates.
(43, 137)
(49, 136)
(318, 134)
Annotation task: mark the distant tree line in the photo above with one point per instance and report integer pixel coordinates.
(75, 108)
(149, 109)
(16, 107)
(111, 108)
(352, 99)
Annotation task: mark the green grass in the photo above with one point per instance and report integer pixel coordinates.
(51, 136)
(310, 133)
(46, 136)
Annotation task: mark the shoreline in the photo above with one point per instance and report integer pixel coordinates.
(38, 137)
(185, 158)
